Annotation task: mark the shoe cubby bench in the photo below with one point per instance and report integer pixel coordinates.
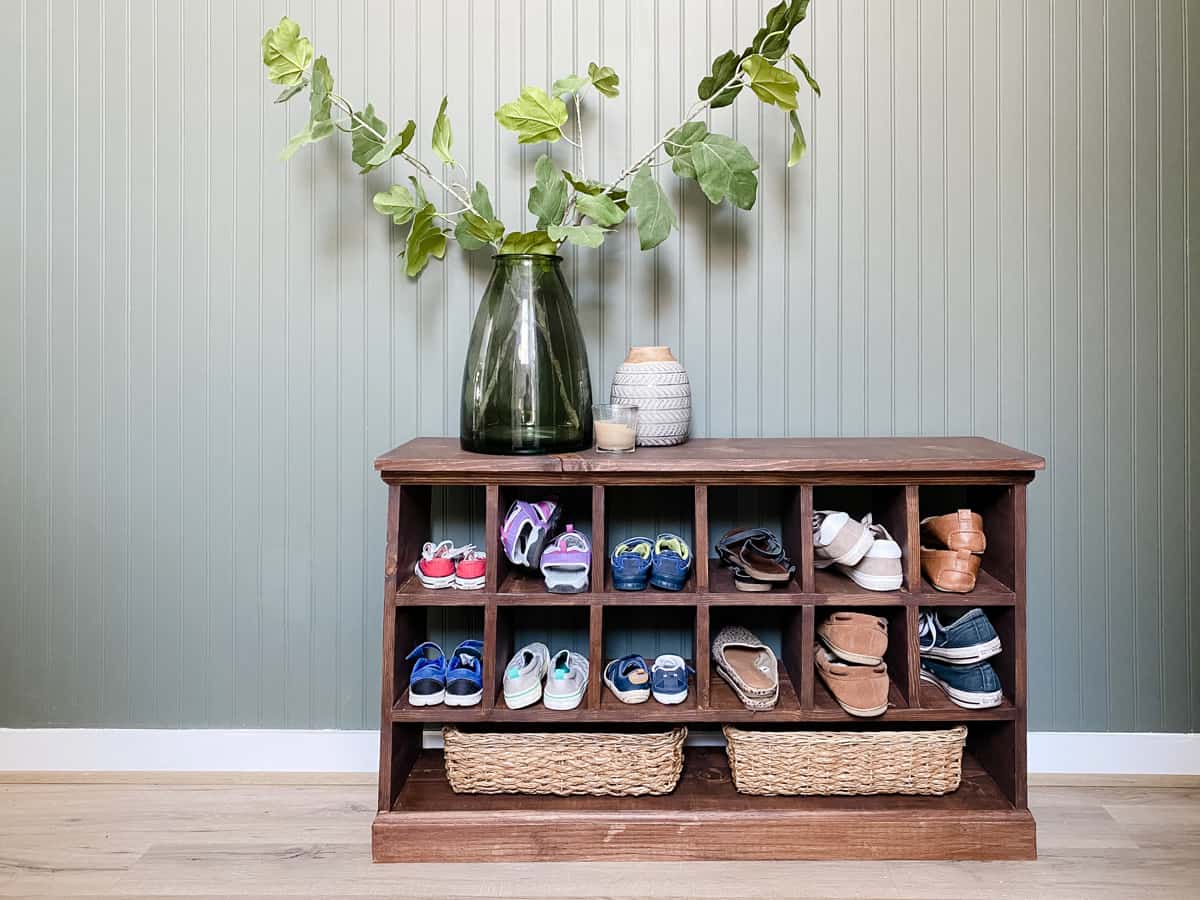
(700, 490)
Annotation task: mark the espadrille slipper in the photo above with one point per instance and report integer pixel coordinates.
(748, 665)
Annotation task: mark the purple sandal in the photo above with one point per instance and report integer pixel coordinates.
(526, 529)
(567, 563)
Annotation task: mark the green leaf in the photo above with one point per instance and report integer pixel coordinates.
(285, 53)
(812, 82)
(363, 144)
(548, 196)
(600, 208)
(481, 201)
(797, 12)
(312, 132)
(679, 147)
(474, 231)
(724, 67)
(770, 83)
(529, 242)
(289, 92)
(396, 202)
(580, 235)
(442, 138)
(604, 79)
(418, 191)
(425, 239)
(319, 104)
(396, 145)
(799, 144)
(655, 218)
(587, 186)
(569, 85)
(725, 169)
(534, 116)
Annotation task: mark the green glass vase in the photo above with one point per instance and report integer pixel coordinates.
(526, 384)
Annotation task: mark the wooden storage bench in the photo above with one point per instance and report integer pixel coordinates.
(900, 480)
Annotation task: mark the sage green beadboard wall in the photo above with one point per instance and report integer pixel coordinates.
(203, 348)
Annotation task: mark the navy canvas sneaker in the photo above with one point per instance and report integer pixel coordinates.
(973, 686)
(968, 639)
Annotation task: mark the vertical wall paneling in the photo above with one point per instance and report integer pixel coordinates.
(203, 347)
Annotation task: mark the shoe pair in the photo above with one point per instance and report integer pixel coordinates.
(631, 681)
(953, 658)
(756, 558)
(849, 660)
(531, 675)
(862, 550)
(664, 562)
(955, 545)
(457, 681)
(446, 566)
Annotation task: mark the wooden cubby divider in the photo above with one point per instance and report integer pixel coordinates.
(900, 479)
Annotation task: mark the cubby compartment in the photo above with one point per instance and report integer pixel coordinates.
(994, 503)
(898, 658)
(888, 505)
(784, 630)
(1003, 619)
(575, 509)
(777, 508)
(455, 513)
(649, 632)
(447, 626)
(558, 627)
(648, 511)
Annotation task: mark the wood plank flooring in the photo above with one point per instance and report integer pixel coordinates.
(232, 837)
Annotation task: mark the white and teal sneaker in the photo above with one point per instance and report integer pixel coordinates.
(567, 680)
(523, 676)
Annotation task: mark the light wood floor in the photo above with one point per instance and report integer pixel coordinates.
(208, 836)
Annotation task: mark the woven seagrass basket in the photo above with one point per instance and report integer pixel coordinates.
(563, 763)
(845, 762)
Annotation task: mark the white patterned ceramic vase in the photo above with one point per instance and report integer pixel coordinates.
(657, 384)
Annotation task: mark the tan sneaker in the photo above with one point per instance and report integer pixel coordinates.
(859, 690)
(855, 637)
(962, 530)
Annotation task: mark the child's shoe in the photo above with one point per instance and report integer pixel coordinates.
(628, 679)
(567, 681)
(470, 570)
(435, 566)
(669, 679)
(631, 564)
(567, 563)
(526, 529)
(464, 674)
(427, 684)
(524, 674)
(672, 561)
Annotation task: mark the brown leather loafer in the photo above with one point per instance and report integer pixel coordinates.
(859, 690)
(962, 530)
(855, 637)
(953, 571)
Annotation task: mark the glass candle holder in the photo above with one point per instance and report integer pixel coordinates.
(615, 427)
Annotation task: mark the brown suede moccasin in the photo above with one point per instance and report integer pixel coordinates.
(962, 530)
(950, 570)
(855, 637)
(859, 690)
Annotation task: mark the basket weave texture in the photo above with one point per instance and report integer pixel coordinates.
(845, 762)
(563, 763)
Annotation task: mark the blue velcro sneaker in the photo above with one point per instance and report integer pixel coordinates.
(669, 678)
(629, 679)
(631, 564)
(671, 562)
(464, 674)
(427, 685)
(971, 686)
(970, 638)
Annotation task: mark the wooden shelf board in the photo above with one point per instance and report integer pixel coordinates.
(933, 699)
(703, 818)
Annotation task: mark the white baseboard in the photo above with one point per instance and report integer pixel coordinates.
(260, 750)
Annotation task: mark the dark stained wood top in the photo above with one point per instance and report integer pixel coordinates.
(727, 456)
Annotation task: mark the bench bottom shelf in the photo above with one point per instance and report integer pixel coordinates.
(703, 819)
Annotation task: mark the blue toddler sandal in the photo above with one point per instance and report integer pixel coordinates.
(427, 685)
(672, 561)
(464, 674)
(631, 564)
